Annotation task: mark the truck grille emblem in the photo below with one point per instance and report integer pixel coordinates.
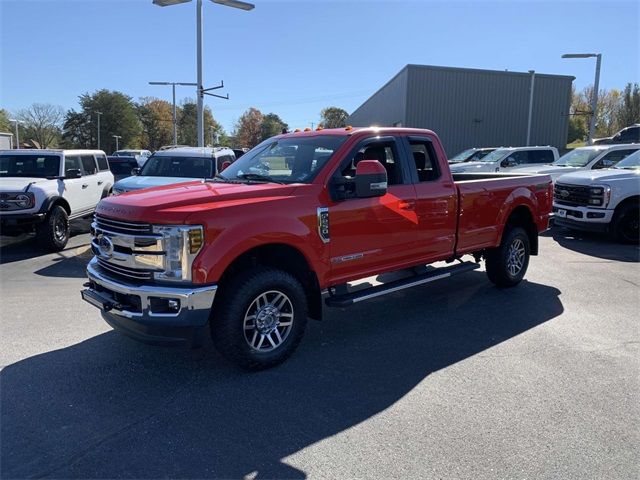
(105, 246)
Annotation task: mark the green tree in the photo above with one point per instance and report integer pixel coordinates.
(333, 117)
(119, 117)
(577, 130)
(629, 112)
(42, 122)
(5, 124)
(188, 125)
(156, 118)
(272, 125)
(248, 131)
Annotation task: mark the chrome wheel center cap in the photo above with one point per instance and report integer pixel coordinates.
(267, 319)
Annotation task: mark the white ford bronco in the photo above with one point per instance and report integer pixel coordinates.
(42, 190)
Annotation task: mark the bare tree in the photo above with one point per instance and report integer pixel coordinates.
(42, 123)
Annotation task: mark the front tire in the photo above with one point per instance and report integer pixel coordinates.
(626, 224)
(507, 264)
(260, 319)
(53, 233)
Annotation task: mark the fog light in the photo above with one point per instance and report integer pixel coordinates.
(164, 305)
(173, 304)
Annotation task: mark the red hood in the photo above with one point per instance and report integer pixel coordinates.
(172, 204)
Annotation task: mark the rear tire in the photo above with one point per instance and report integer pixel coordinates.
(53, 233)
(260, 318)
(507, 264)
(626, 224)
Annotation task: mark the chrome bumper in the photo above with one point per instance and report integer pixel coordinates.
(132, 303)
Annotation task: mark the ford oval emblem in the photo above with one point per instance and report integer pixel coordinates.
(105, 246)
(564, 193)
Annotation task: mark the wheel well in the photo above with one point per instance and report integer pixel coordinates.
(522, 217)
(63, 203)
(285, 258)
(627, 201)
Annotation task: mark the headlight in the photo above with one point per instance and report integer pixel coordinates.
(16, 201)
(599, 195)
(182, 244)
(116, 191)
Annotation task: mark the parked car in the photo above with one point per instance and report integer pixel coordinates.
(508, 159)
(585, 158)
(630, 134)
(42, 190)
(601, 201)
(471, 155)
(176, 165)
(140, 155)
(247, 256)
(122, 167)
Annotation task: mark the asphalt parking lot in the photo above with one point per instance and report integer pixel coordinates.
(452, 380)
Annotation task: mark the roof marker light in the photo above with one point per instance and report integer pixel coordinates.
(348, 127)
(297, 130)
(307, 129)
(320, 127)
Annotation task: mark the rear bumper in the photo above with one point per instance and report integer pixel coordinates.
(141, 312)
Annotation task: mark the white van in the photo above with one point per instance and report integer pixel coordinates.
(42, 190)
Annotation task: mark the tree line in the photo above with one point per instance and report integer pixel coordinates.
(616, 109)
(147, 123)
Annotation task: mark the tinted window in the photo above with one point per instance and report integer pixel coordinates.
(424, 159)
(384, 152)
(184, 167)
(72, 162)
(630, 134)
(88, 164)
(29, 166)
(102, 162)
(540, 156)
(611, 158)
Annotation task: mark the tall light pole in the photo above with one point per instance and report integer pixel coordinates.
(16, 122)
(117, 137)
(596, 86)
(201, 91)
(175, 120)
(98, 114)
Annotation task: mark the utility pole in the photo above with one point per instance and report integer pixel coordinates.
(117, 137)
(533, 76)
(596, 86)
(175, 119)
(16, 122)
(98, 113)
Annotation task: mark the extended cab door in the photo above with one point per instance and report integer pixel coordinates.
(370, 235)
(436, 199)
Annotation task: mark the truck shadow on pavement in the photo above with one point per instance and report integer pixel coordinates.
(109, 407)
(594, 245)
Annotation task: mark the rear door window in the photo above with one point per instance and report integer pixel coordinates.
(424, 159)
(88, 164)
(540, 156)
(102, 163)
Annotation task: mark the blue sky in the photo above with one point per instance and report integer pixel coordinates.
(296, 57)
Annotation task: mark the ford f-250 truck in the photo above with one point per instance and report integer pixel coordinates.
(250, 254)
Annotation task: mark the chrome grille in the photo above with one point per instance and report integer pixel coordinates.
(571, 194)
(118, 226)
(126, 272)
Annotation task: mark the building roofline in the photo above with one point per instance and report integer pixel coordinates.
(406, 67)
(481, 70)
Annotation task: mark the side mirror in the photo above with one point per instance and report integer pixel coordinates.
(371, 179)
(72, 173)
(509, 162)
(225, 165)
(135, 171)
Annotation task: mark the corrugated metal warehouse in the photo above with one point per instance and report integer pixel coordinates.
(472, 108)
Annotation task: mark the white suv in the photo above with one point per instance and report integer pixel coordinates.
(509, 159)
(44, 189)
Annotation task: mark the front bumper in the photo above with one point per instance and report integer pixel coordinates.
(141, 312)
(20, 221)
(582, 218)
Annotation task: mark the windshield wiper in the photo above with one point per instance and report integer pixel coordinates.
(259, 177)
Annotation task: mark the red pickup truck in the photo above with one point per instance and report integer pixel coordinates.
(250, 254)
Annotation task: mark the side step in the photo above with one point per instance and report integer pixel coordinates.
(348, 299)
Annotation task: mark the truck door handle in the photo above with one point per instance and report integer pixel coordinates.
(85, 185)
(407, 205)
(100, 182)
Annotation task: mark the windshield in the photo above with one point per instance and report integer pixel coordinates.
(285, 160)
(462, 156)
(496, 155)
(632, 162)
(122, 168)
(41, 166)
(580, 157)
(185, 167)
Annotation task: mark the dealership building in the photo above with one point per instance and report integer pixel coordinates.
(473, 108)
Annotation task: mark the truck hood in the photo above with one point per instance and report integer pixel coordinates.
(548, 169)
(138, 182)
(589, 177)
(172, 204)
(18, 184)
